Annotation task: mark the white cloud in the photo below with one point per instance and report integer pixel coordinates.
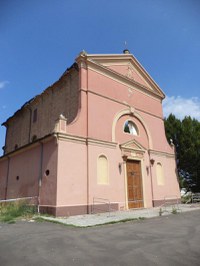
(182, 107)
(3, 84)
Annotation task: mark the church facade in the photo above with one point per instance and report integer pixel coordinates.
(96, 136)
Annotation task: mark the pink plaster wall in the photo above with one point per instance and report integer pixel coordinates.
(157, 132)
(79, 125)
(48, 190)
(123, 93)
(26, 166)
(115, 190)
(171, 187)
(122, 137)
(72, 176)
(147, 181)
(100, 116)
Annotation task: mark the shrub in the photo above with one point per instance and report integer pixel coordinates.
(12, 210)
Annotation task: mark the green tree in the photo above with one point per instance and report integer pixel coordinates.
(186, 137)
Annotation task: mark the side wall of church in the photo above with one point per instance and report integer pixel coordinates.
(22, 172)
(37, 118)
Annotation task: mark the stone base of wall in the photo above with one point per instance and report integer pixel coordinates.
(77, 210)
(158, 203)
(84, 209)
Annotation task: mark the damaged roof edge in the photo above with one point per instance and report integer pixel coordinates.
(26, 104)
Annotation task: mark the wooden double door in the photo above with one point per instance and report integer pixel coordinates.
(134, 184)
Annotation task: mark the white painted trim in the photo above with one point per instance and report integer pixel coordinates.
(126, 146)
(125, 187)
(90, 141)
(143, 182)
(97, 142)
(161, 153)
(71, 138)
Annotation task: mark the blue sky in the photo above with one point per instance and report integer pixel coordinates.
(39, 39)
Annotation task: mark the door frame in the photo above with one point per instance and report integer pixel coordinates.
(126, 181)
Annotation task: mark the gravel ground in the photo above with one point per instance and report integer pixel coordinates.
(104, 218)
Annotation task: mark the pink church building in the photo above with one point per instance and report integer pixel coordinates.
(96, 133)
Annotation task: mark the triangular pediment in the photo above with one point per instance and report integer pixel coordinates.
(132, 145)
(126, 65)
(128, 70)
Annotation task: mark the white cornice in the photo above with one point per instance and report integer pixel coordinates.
(83, 140)
(102, 143)
(161, 153)
(71, 138)
(27, 147)
(127, 145)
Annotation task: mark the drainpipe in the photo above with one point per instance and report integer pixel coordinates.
(8, 169)
(40, 174)
(151, 176)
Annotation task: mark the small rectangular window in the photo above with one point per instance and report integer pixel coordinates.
(34, 115)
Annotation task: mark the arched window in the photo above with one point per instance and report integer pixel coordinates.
(102, 170)
(130, 128)
(160, 174)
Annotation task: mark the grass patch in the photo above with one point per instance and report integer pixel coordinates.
(160, 212)
(186, 199)
(42, 219)
(39, 219)
(9, 212)
(174, 210)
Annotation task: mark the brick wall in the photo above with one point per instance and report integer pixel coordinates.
(60, 98)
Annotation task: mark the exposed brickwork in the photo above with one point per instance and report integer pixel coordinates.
(18, 130)
(61, 98)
